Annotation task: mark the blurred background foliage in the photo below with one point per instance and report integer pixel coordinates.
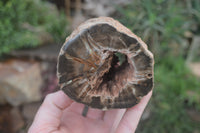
(169, 28)
(25, 23)
(163, 24)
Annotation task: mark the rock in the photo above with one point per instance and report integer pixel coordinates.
(5, 119)
(196, 131)
(11, 120)
(49, 78)
(194, 67)
(28, 111)
(20, 81)
(188, 34)
(77, 20)
(194, 114)
(96, 8)
(2, 99)
(147, 113)
(193, 53)
(17, 120)
(46, 52)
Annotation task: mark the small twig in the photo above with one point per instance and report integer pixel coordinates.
(85, 110)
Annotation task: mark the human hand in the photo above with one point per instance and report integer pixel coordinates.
(59, 114)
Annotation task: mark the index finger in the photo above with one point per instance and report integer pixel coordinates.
(50, 111)
(131, 118)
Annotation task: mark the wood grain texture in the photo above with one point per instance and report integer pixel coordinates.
(104, 65)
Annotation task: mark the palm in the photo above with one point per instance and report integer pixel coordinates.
(59, 114)
(97, 121)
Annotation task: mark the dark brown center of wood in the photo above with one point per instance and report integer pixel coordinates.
(115, 76)
(115, 68)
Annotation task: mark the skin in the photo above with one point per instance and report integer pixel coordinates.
(59, 114)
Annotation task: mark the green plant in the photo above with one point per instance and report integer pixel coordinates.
(22, 21)
(158, 22)
(193, 13)
(172, 97)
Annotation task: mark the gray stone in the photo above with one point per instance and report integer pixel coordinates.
(194, 67)
(29, 110)
(194, 114)
(45, 52)
(20, 81)
(5, 119)
(17, 120)
(147, 113)
(96, 8)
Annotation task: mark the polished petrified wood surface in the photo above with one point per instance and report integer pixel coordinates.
(104, 65)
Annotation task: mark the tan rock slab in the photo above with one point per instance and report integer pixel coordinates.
(20, 81)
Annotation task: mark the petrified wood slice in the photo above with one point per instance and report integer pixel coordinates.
(104, 65)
